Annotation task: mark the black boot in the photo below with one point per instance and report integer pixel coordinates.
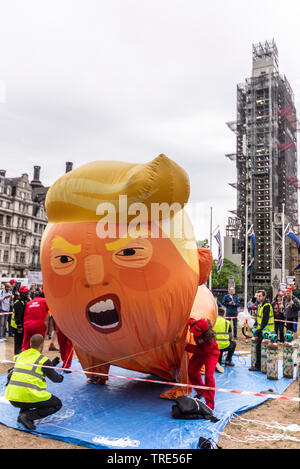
(254, 368)
(26, 422)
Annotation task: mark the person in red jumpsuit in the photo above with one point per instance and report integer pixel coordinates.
(206, 353)
(66, 349)
(35, 316)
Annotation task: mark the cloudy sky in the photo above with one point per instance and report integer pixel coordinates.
(82, 80)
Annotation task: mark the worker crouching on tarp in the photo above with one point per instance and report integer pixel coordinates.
(206, 352)
(27, 388)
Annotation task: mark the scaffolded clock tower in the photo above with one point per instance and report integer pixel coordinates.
(266, 162)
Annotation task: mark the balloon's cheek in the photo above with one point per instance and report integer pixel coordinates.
(152, 277)
(60, 287)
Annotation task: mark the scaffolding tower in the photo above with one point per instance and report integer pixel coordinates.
(266, 161)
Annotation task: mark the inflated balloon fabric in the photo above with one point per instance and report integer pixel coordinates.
(118, 284)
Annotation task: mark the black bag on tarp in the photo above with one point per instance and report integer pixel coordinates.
(187, 408)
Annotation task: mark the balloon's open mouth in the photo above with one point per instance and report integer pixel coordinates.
(104, 313)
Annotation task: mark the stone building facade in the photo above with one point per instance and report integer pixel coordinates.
(23, 220)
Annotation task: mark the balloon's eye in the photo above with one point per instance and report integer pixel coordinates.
(135, 255)
(129, 252)
(65, 259)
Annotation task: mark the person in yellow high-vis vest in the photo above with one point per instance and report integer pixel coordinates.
(17, 318)
(225, 343)
(264, 319)
(27, 387)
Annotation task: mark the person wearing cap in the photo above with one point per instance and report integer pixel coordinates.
(27, 387)
(18, 318)
(35, 315)
(206, 352)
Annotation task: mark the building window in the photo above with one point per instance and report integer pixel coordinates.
(8, 221)
(22, 257)
(1, 220)
(17, 257)
(7, 238)
(1, 234)
(5, 256)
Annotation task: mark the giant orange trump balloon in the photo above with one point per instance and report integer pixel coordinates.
(121, 269)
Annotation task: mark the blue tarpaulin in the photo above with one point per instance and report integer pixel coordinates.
(130, 414)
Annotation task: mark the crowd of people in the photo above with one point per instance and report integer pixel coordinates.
(23, 313)
(212, 342)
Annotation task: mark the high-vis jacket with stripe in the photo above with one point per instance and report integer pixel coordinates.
(260, 313)
(222, 332)
(27, 383)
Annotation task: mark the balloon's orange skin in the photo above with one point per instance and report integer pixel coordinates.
(155, 301)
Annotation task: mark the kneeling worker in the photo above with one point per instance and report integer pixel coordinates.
(26, 388)
(224, 340)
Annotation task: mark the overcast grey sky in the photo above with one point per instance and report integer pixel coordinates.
(130, 79)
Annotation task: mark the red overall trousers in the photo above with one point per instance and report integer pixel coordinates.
(65, 347)
(195, 364)
(205, 353)
(35, 315)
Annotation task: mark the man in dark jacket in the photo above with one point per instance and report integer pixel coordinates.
(18, 318)
(291, 308)
(232, 303)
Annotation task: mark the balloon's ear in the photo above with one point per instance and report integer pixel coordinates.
(205, 264)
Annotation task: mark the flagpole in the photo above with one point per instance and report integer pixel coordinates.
(246, 261)
(283, 245)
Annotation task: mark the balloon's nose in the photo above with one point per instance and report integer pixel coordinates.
(94, 269)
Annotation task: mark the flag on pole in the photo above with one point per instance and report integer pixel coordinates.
(220, 256)
(295, 238)
(253, 238)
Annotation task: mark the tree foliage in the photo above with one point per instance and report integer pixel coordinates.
(229, 269)
(203, 244)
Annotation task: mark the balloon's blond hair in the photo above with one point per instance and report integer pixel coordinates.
(76, 196)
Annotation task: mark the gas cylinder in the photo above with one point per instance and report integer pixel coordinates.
(253, 346)
(264, 345)
(288, 355)
(272, 357)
